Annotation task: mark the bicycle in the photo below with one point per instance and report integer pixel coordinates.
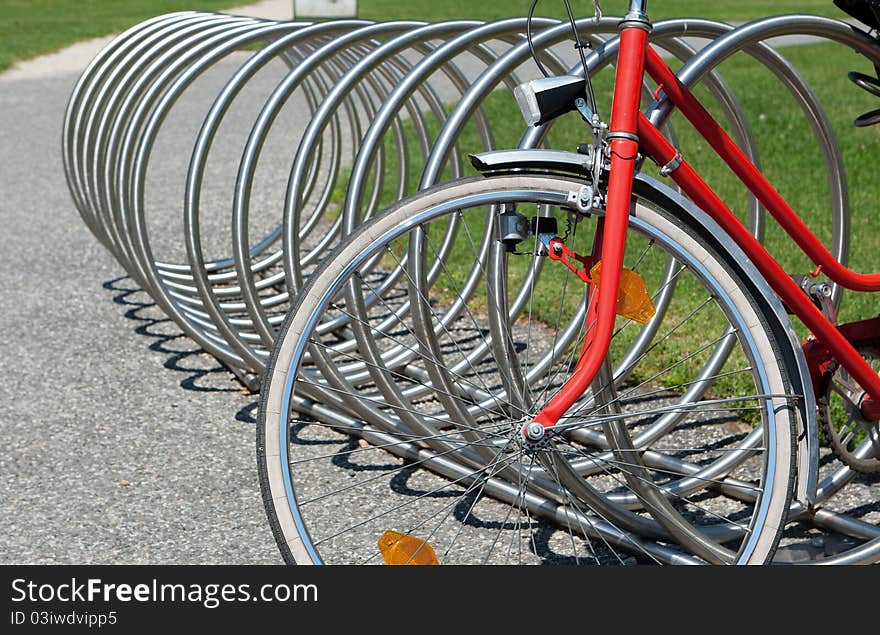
(386, 353)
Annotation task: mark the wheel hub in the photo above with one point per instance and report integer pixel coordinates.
(534, 436)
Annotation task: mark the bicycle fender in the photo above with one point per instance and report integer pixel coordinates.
(549, 160)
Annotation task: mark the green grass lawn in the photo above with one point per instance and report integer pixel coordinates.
(788, 153)
(722, 10)
(789, 158)
(32, 27)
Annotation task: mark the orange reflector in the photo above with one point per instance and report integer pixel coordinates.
(633, 301)
(399, 549)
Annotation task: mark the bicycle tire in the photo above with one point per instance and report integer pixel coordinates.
(287, 523)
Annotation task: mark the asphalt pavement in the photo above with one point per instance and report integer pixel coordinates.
(122, 443)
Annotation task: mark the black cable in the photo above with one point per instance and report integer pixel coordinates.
(579, 45)
(577, 38)
(580, 49)
(529, 39)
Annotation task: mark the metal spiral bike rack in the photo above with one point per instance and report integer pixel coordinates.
(347, 100)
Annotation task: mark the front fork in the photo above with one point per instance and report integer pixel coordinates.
(623, 149)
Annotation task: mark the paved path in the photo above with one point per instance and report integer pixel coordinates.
(75, 58)
(121, 443)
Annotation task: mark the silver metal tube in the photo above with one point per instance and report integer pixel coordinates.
(369, 89)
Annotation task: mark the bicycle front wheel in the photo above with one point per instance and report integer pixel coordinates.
(393, 408)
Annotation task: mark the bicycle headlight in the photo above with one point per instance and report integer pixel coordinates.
(542, 100)
(528, 103)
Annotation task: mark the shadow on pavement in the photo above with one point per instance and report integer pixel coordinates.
(204, 373)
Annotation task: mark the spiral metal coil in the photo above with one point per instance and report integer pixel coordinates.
(330, 111)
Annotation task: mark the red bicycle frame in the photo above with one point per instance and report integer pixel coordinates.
(632, 132)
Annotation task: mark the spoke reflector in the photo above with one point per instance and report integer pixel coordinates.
(633, 300)
(400, 549)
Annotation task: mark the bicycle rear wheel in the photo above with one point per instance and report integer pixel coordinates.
(407, 409)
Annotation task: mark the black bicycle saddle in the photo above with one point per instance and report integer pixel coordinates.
(866, 11)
